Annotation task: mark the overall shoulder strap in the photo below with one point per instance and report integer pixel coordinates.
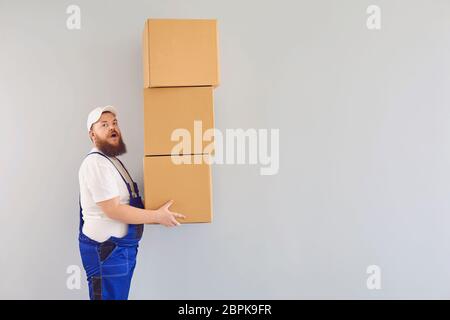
(123, 166)
(130, 187)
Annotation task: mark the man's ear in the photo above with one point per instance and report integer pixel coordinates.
(91, 135)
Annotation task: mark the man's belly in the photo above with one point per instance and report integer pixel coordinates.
(101, 230)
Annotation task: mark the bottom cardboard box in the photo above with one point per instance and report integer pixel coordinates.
(188, 184)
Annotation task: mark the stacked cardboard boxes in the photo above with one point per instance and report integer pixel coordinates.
(181, 69)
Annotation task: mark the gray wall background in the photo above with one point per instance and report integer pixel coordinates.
(364, 148)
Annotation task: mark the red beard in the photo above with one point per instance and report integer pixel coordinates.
(111, 150)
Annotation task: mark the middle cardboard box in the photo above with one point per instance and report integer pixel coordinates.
(175, 120)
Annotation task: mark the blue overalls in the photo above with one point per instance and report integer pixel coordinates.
(109, 265)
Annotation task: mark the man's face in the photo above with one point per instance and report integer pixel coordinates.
(106, 135)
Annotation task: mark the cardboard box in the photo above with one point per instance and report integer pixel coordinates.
(189, 185)
(180, 52)
(169, 109)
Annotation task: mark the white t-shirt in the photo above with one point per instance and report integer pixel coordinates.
(100, 181)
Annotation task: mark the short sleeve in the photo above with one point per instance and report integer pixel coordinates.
(100, 180)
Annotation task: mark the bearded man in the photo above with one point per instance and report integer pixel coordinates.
(112, 213)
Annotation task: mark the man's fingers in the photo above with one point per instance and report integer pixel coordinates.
(168, 204)
(171, 222)
(179, 215)
(174, 221)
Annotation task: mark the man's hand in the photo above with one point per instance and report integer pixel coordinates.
(166, 217)
(132, 215)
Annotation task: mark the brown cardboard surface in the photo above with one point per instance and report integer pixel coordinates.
(189, 185)
(145, 56)
(180, 52)
(167, 109)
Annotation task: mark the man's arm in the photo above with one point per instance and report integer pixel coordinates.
(132, 215)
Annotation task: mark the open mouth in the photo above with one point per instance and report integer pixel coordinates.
(114, 135)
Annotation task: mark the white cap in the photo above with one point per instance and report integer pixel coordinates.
(95, 114)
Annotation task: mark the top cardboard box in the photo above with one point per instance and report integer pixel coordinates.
(180, 53)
